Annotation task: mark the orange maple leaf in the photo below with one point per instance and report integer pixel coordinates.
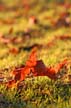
(33, 58)
(37, 67)
(61, 65)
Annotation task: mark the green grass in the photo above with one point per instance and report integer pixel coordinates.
(39, 92)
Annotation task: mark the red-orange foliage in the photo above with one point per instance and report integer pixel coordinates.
(37, 67)
(32, 59)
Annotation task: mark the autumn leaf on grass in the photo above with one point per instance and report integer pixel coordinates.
(20, 74)
(25, 73)
(39, 68)
(10, 84)
(33, 58)
(16, 74)
(29, 64)
(51, 73)
(61, 65)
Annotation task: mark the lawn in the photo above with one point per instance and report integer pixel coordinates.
(46, 27)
